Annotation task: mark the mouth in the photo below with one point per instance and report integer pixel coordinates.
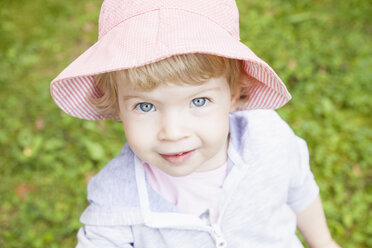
(177, 158)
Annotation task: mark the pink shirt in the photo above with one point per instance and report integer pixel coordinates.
(194, 193)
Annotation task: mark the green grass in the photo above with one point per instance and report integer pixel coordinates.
(321, 49)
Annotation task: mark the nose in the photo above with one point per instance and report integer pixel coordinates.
(173, 127)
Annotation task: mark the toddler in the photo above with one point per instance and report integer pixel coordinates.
(208, 162)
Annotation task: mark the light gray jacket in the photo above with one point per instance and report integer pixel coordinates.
(269, 180)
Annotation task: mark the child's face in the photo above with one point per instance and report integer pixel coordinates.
(178, 128)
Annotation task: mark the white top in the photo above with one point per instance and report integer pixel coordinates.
(195, 193)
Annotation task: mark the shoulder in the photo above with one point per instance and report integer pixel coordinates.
(115, 183)
(112, 193)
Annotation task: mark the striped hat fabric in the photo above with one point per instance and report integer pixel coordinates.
(134, 33)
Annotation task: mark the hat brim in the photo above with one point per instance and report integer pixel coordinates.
(154, 36)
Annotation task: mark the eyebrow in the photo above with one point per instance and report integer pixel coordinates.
(129, 97)
(209, 89)
(217, 88)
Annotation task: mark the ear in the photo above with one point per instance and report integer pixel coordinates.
(235, 97)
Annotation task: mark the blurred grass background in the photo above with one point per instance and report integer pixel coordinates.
(321, 49)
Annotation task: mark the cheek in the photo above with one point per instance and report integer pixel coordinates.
(215, 129)
(137, 134)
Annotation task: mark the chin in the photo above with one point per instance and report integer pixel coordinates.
(178, 173)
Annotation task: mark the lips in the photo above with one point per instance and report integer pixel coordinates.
(177, 158)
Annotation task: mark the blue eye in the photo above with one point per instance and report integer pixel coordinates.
(199, 102)
(145, 107)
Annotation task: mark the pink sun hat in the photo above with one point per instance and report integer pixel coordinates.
(134, 33)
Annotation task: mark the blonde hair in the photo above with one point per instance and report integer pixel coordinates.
(191, 69)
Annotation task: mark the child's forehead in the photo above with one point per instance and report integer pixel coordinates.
(149, 85)
(176, 87)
